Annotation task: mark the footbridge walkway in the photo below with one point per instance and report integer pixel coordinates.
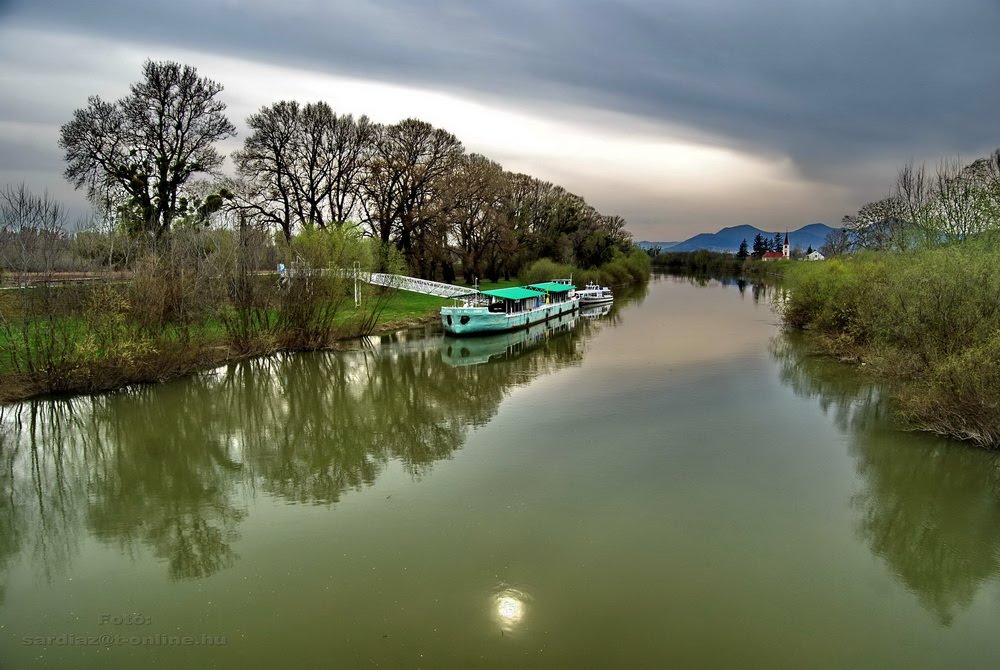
(416, 285)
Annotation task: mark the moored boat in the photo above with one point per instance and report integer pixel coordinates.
(505, 309)
(595, 294)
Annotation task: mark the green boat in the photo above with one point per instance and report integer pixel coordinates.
(505, 309)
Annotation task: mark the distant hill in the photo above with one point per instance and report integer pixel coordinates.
(728, 239)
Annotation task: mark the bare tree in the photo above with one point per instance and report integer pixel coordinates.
(475, 193)
(302, 165)
(880, 225)
(140, 151)
(913, 192)
(967, 198)
(32, 231)
(265, 164)
(350, 144)
(403, 185)
(838, 243)
(527, 209)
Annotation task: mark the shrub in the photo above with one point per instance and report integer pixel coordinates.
(544, 270)
(928, 320)
(961, 397)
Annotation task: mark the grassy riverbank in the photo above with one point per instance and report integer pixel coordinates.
(190, 306)
(77, 348)
(927, 323)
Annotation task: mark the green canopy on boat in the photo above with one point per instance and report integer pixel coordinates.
(512, 293)
(552, 287)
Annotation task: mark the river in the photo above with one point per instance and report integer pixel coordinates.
(675, 483)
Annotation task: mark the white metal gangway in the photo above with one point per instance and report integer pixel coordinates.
(416, 285)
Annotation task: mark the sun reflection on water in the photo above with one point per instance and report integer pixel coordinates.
(509, 607)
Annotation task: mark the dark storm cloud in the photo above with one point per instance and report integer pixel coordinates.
(848, 89)
(819, 81)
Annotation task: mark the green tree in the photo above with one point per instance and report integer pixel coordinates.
(777, 244)
(137, 154)
(760, 246)
(744, 251)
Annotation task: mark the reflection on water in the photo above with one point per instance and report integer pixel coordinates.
(759, 289)
(596, 312)
(509, 607)
(672, 479)
(458, 351)
(930, 508)
(174, 467)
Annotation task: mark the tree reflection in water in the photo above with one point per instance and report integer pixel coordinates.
(930, 508)
(174, 467)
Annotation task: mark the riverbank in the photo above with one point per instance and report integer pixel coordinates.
(162, 324)
(102, 352)
(75, 360)
(925, 324)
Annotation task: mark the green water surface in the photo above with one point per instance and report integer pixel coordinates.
(674, 484)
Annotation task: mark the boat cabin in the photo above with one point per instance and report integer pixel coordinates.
(555, 291)
(512, 300)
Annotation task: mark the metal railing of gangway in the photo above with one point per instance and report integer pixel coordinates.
(416, 285)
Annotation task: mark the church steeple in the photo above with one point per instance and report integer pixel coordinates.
(786, 250)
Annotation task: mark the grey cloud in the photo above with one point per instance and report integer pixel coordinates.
(820, 81)
(27, 156)
(829, 83)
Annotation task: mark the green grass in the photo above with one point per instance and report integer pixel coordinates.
(407, 306)
(403, 308)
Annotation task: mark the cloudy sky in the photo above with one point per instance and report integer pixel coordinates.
(683, 116)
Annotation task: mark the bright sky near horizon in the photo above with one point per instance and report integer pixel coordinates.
(681, 116)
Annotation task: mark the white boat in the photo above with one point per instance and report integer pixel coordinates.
(595, 294)
(506, 309)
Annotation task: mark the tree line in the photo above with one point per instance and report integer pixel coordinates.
(149, 164)
(920, 308)
(926, 206)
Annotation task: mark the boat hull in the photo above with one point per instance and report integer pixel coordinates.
(479, 321)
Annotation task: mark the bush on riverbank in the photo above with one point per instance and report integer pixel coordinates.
(928, 322)
(202, 299)
(622, 269)
(700, 262)
(197, 300)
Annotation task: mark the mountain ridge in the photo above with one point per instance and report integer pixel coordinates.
(728, 239)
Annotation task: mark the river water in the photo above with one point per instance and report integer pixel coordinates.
(672, 484)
